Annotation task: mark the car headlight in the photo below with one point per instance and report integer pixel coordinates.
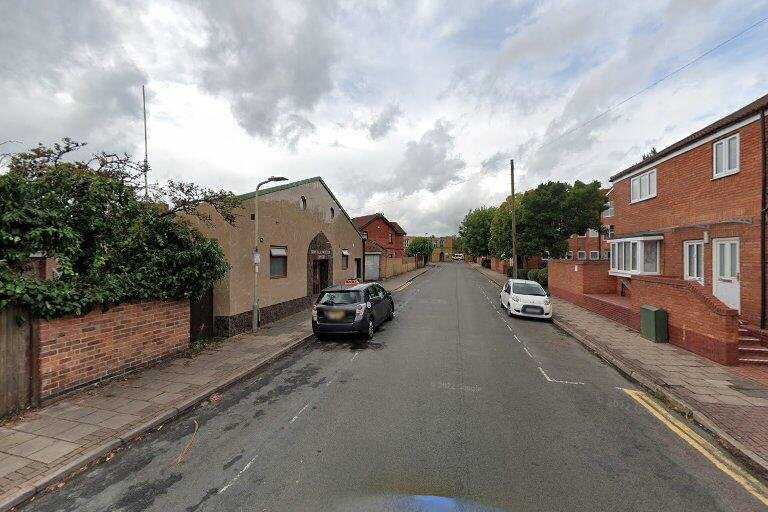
(547, 302)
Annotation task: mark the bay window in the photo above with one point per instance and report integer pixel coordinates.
(635, 256)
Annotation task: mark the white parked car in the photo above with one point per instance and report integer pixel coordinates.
(525, 298)
(458, 256)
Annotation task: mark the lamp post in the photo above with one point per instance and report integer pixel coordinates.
(514, 221)
(256, 258)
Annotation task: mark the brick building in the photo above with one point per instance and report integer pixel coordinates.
(689, 236)
(383, 241)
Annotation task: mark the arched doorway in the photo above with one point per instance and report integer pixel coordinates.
(442, 256)
(319, 264)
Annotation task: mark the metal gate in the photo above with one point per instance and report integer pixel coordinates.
(15, 360)
(201, 317)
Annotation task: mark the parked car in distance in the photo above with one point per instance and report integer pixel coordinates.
(357, 309)
(458, 256)
(525, 298)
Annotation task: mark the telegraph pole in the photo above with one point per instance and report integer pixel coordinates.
(514, 222)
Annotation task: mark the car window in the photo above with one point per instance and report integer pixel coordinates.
(375, 294)
(528, 289)
(339, 297)
(506, 287)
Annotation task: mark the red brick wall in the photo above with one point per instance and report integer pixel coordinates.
(587, 244)
(697, 321)
(580, 277)
(75, 351)
(689, 202)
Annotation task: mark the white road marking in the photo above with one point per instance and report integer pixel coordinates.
(355, 356)
(549, 379)
(238, 475)
(527, 352)
(299, 413)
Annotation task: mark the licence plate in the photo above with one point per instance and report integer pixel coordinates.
(534, 310)
(335, 315)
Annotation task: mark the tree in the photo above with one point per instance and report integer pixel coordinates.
(475, 231)
(553, 211)
(420, 246)
(500, 243)
(110, 245)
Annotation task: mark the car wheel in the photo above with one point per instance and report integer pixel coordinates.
(371, 329)
(391, 313)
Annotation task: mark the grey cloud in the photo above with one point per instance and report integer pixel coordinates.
(272, 60)
(430, 162)
(496, 162)
(384, 122)
(65, 72)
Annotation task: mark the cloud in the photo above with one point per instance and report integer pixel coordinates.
(429, 163)
(496, 162)
(64, 72)
(272, 60)
(383, 123)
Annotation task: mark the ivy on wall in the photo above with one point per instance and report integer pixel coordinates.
(110, 244)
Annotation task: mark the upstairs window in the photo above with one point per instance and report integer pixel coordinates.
(726, 156)
(344, 259)
(594, 255)
(592, 233)
(569, 255)
(390, 238)
(643, 186)
(303, 203)
(608, 212)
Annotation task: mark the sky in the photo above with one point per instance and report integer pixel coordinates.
(412, 109)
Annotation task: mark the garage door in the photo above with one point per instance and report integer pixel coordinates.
(372, 267)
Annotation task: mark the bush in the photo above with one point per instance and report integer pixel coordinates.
(110, 246)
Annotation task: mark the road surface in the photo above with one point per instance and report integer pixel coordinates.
(452, 399)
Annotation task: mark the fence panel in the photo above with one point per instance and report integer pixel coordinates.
(15, 359)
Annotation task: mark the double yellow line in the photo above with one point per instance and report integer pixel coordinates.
(715, 456)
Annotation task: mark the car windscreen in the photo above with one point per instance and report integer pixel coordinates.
(528, 289)
(340, 297)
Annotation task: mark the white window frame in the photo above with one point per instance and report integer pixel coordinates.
(569, 255)
(608, 211)
(594, 255)
(652, 185)
(686, 267)
(592, 233)
(624, 264)
(725, 144)
(580, 257)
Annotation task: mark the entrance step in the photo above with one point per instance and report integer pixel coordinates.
(762, 361)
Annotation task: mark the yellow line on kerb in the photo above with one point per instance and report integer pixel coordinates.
(715, 456)
(402, 286)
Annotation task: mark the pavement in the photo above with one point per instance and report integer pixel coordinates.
(452, 404)
(731, 402)
(47, 444)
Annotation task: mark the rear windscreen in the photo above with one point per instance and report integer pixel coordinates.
(340, 297)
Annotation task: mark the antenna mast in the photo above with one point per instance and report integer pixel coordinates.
(146, 161)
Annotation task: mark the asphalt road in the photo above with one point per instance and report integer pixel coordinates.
(452, 399)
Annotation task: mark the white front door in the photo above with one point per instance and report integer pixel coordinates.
(725, 271)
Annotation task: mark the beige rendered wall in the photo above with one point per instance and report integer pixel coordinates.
(284, 224)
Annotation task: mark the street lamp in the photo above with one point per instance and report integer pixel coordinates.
(256, 258)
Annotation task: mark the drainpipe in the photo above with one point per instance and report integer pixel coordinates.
(762, 220)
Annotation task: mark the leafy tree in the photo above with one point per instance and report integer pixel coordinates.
(500, 243)
(110, 245)
(475, 231)
(420, 246)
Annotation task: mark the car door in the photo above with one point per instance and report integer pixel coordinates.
(505, 294)
(382, 304)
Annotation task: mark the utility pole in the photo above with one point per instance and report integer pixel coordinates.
(514, 222)
(146, 160)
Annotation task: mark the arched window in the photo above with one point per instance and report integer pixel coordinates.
(333, 212)
(303, 203)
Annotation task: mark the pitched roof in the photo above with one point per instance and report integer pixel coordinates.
(265, 191)
(364, 220)
(732, 118)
